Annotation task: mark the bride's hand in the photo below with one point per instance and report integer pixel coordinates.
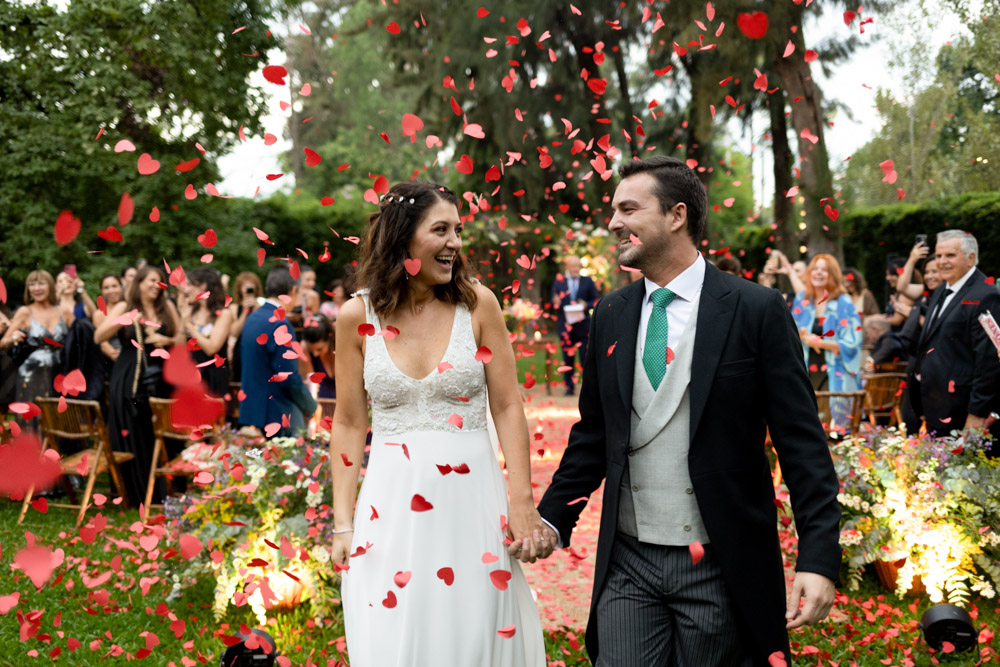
(340, 549)
(532, 537)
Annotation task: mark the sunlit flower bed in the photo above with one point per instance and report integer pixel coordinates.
(933, 502)
(258, 509)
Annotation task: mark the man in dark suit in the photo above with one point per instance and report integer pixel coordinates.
(572, 292)
(687, 370)
(274, 393)
(956, 377)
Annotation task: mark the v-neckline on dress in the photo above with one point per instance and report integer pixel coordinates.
(447, 349)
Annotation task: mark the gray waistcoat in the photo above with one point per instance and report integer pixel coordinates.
(656, 500)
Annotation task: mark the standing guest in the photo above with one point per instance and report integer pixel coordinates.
(573, 297)
(440, 528)
(899, 303)
(207, 321)
(730, 265)
(909, 281)
(956, 378)
(8, 371)
(113, 293)
(128, 275)
(338, 295)
(319, 345)
(138, 373)
(70, 304)
(308, 301)
(38, 331)
(862, 298)
(679, 444)
(247, 294)
(273, 389)
(829, 327)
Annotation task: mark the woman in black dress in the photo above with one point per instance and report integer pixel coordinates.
(137, 374)
(206, 320)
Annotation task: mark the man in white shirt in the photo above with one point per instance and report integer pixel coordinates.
(956, 378)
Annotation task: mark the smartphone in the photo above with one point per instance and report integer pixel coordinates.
(70, 270)
(921, 239)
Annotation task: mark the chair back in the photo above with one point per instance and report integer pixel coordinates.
(81, 420)
(163, 424)
(327, 406)
(883, 393)
(840, 411)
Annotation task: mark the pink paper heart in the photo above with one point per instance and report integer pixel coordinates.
(147, 165)
(412, 265)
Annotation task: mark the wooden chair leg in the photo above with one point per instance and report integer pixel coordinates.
(158, 446)
(91, 478)
(24, 505)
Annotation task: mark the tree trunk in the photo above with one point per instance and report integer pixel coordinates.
(700, 125)
(628, 122)
(786, 230)
(822, 233)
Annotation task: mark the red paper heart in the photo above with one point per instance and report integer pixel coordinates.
(126, 207)
(67, 227)
(412, 266)
(754, 25)
(312, 157)
(110, 234)
(464, 165)
(366, 329)
(500, 579)
(484, 354)
(390, 600)
(411, 124)
(208, 239)
(420, 504)
(190, 546)
(447, 575)
(402, 578)
(275, 74)
(147, 165)
(507, 632)
(697, 552)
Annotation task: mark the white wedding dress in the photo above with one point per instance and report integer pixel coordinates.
(430, 581)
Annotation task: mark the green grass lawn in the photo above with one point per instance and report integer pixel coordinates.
(81, 618)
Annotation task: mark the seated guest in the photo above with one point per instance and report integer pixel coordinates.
(730, 265)
(273, 389)
(886, 345)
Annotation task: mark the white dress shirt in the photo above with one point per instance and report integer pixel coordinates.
(687, 286)
(954, 290)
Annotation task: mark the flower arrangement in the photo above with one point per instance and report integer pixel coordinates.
(258, 507)
(522, 316)
(934, 502)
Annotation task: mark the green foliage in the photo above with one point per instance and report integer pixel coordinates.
(871, 234)
(110, 67)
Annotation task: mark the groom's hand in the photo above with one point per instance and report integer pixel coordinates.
(815, 594)
(541, 544)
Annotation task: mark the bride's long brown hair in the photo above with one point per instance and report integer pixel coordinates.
(384, 249)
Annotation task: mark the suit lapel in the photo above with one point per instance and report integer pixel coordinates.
(950, 308)
(715, 316)
(626, 329)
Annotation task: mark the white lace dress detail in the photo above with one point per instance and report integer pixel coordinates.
(452, 398)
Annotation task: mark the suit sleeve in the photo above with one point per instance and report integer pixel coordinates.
(584, 463)
(792, 418)
(986, 378)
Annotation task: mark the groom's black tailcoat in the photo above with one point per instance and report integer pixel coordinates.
(748, 375)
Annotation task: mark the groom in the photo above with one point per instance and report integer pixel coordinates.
(686, 372)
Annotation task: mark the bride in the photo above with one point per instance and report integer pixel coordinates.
(428, 579)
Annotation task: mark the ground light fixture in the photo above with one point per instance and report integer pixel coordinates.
(948, 623)
(257, 654)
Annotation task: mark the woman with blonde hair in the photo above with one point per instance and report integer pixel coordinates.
(829, 326)
(39, 330)
(430, 579)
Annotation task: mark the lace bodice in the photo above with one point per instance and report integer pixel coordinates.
(452, 398)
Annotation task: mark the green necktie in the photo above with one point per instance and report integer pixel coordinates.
(654, 354)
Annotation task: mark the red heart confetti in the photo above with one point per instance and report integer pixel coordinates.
(67, 228)
(754, 24)
(420, 504)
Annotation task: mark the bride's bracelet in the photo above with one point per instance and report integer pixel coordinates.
(346, 530)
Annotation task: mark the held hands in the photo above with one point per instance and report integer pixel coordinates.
(810, 601)
(532, 537)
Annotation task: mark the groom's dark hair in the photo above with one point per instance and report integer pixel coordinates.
(675, 183)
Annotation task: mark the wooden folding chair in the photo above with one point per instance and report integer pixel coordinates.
(164, 428)
(81, 420)
(327, 406)
(840, 411)
(883, 397)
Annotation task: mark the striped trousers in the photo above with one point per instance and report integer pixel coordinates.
(659, 609)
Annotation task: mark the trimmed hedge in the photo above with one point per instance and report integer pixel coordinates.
(871, 234)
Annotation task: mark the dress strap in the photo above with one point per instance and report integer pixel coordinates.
(370, 316)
